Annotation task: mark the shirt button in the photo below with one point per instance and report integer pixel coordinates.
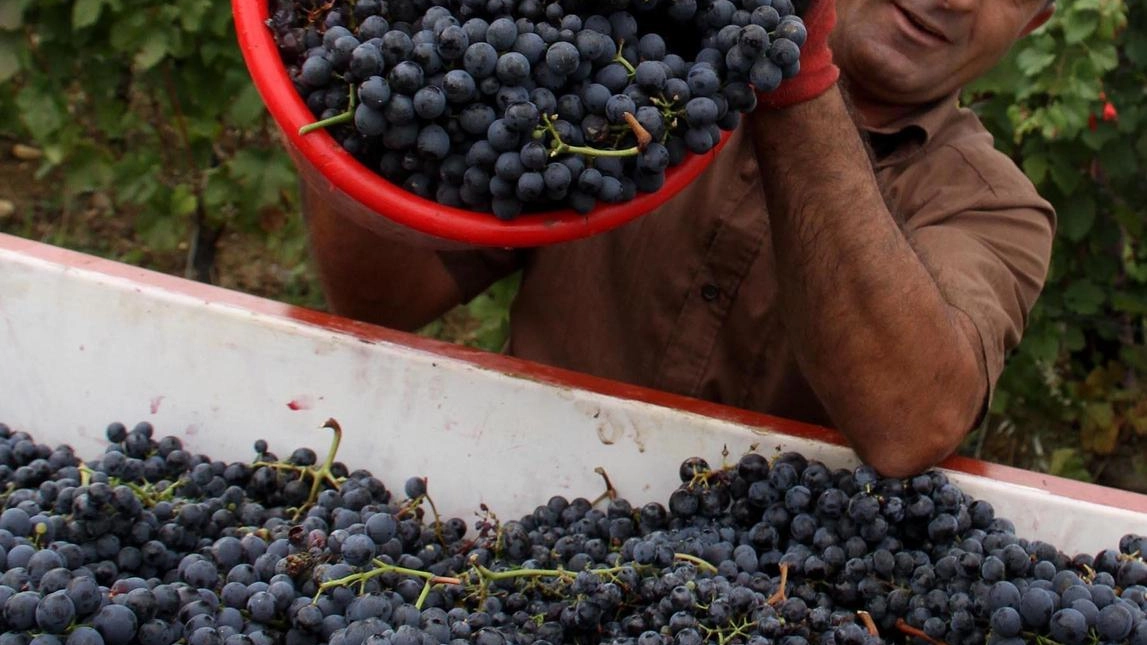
(710, 292)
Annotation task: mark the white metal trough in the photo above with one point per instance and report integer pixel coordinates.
(86, 341)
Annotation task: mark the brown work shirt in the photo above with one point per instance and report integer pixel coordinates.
(684, 299)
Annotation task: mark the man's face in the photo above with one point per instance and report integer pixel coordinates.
(907, 52)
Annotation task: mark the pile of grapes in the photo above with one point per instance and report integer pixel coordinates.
(507, 106)
(150, 544)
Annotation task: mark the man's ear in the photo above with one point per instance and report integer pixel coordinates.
(1037, 20)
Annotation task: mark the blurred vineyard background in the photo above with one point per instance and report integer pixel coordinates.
(131, 130)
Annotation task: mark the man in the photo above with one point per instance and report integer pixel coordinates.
(867, 275)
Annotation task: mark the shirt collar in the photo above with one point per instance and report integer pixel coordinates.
(904, 138)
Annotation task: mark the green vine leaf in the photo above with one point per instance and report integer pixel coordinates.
(86, 13)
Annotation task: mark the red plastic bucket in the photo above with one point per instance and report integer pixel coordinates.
(334, 178)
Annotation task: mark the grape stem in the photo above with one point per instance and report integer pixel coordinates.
(629, 69)
(610, 492)
(345, 117)
(559, 147)
(701, 564)
(643, 136)
(779, 595)
(319, 475)
(415, 503)
(380, 568)
(869, 624)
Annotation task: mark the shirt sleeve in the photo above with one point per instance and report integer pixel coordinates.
(476, 270)
(985, 233)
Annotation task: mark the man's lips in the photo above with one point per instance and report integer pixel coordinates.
(922, 30)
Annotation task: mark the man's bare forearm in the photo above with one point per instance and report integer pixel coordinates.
(369, 277)
(897, 368)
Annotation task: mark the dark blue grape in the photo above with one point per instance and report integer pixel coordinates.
(651, 75)
(700, 111)
(613, 76)
(532, 46)
(1114, 623)
(405, 77)
(316, 71)
(1068, 627)
(506, 208)
(368, 121)
(783, 52)
(430, 102)
(522, 117)
(453, 42)
(765, 75)
(563, 58)
(426, 56)
(618, 106)
(366, 61)
(703, 80)
(476, 119)
(501, 34)
(116, 624)
(480, 60)
(512, 68)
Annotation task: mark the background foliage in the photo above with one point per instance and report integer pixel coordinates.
(148, 103)
(1069, 105)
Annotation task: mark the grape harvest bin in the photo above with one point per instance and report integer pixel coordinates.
(85, 341)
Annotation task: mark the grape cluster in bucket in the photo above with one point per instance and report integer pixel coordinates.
(512, 106)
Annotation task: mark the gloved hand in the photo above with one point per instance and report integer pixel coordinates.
(817, 71)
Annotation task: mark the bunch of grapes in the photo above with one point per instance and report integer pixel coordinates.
(150, 544)
(511, 106)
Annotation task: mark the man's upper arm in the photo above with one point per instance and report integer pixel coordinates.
(986, 236)
(475, 270)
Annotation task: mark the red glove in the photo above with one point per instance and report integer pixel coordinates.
(817, 71)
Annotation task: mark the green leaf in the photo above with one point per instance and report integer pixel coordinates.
(1035, 166)
(1104, 56)
(153, 51)
(86, 13)
(1065, 176)
(247, 107)
(1067, 462)
(1032, 61)
(1074, 340)
(1135, 48)
(9, 56)
(12, 14)
(41, 111)
(183, 201)
(1041, 343)
(1119, 158)
(1084, 297)
(1132, 303)
(1076, 216)
(88, 169)
(1080, 27)
(1100, 427)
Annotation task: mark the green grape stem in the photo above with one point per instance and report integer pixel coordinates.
(559, 147)
(344, 117)
(629, 69)
(379, 569)
(701, 564)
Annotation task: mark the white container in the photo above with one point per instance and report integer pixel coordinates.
(85, 341)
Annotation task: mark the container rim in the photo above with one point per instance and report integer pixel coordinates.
(394, 203)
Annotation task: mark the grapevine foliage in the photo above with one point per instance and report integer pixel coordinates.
(1068, 105)
(148, 102)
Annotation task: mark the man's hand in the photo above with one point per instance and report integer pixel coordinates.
(817, 71)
